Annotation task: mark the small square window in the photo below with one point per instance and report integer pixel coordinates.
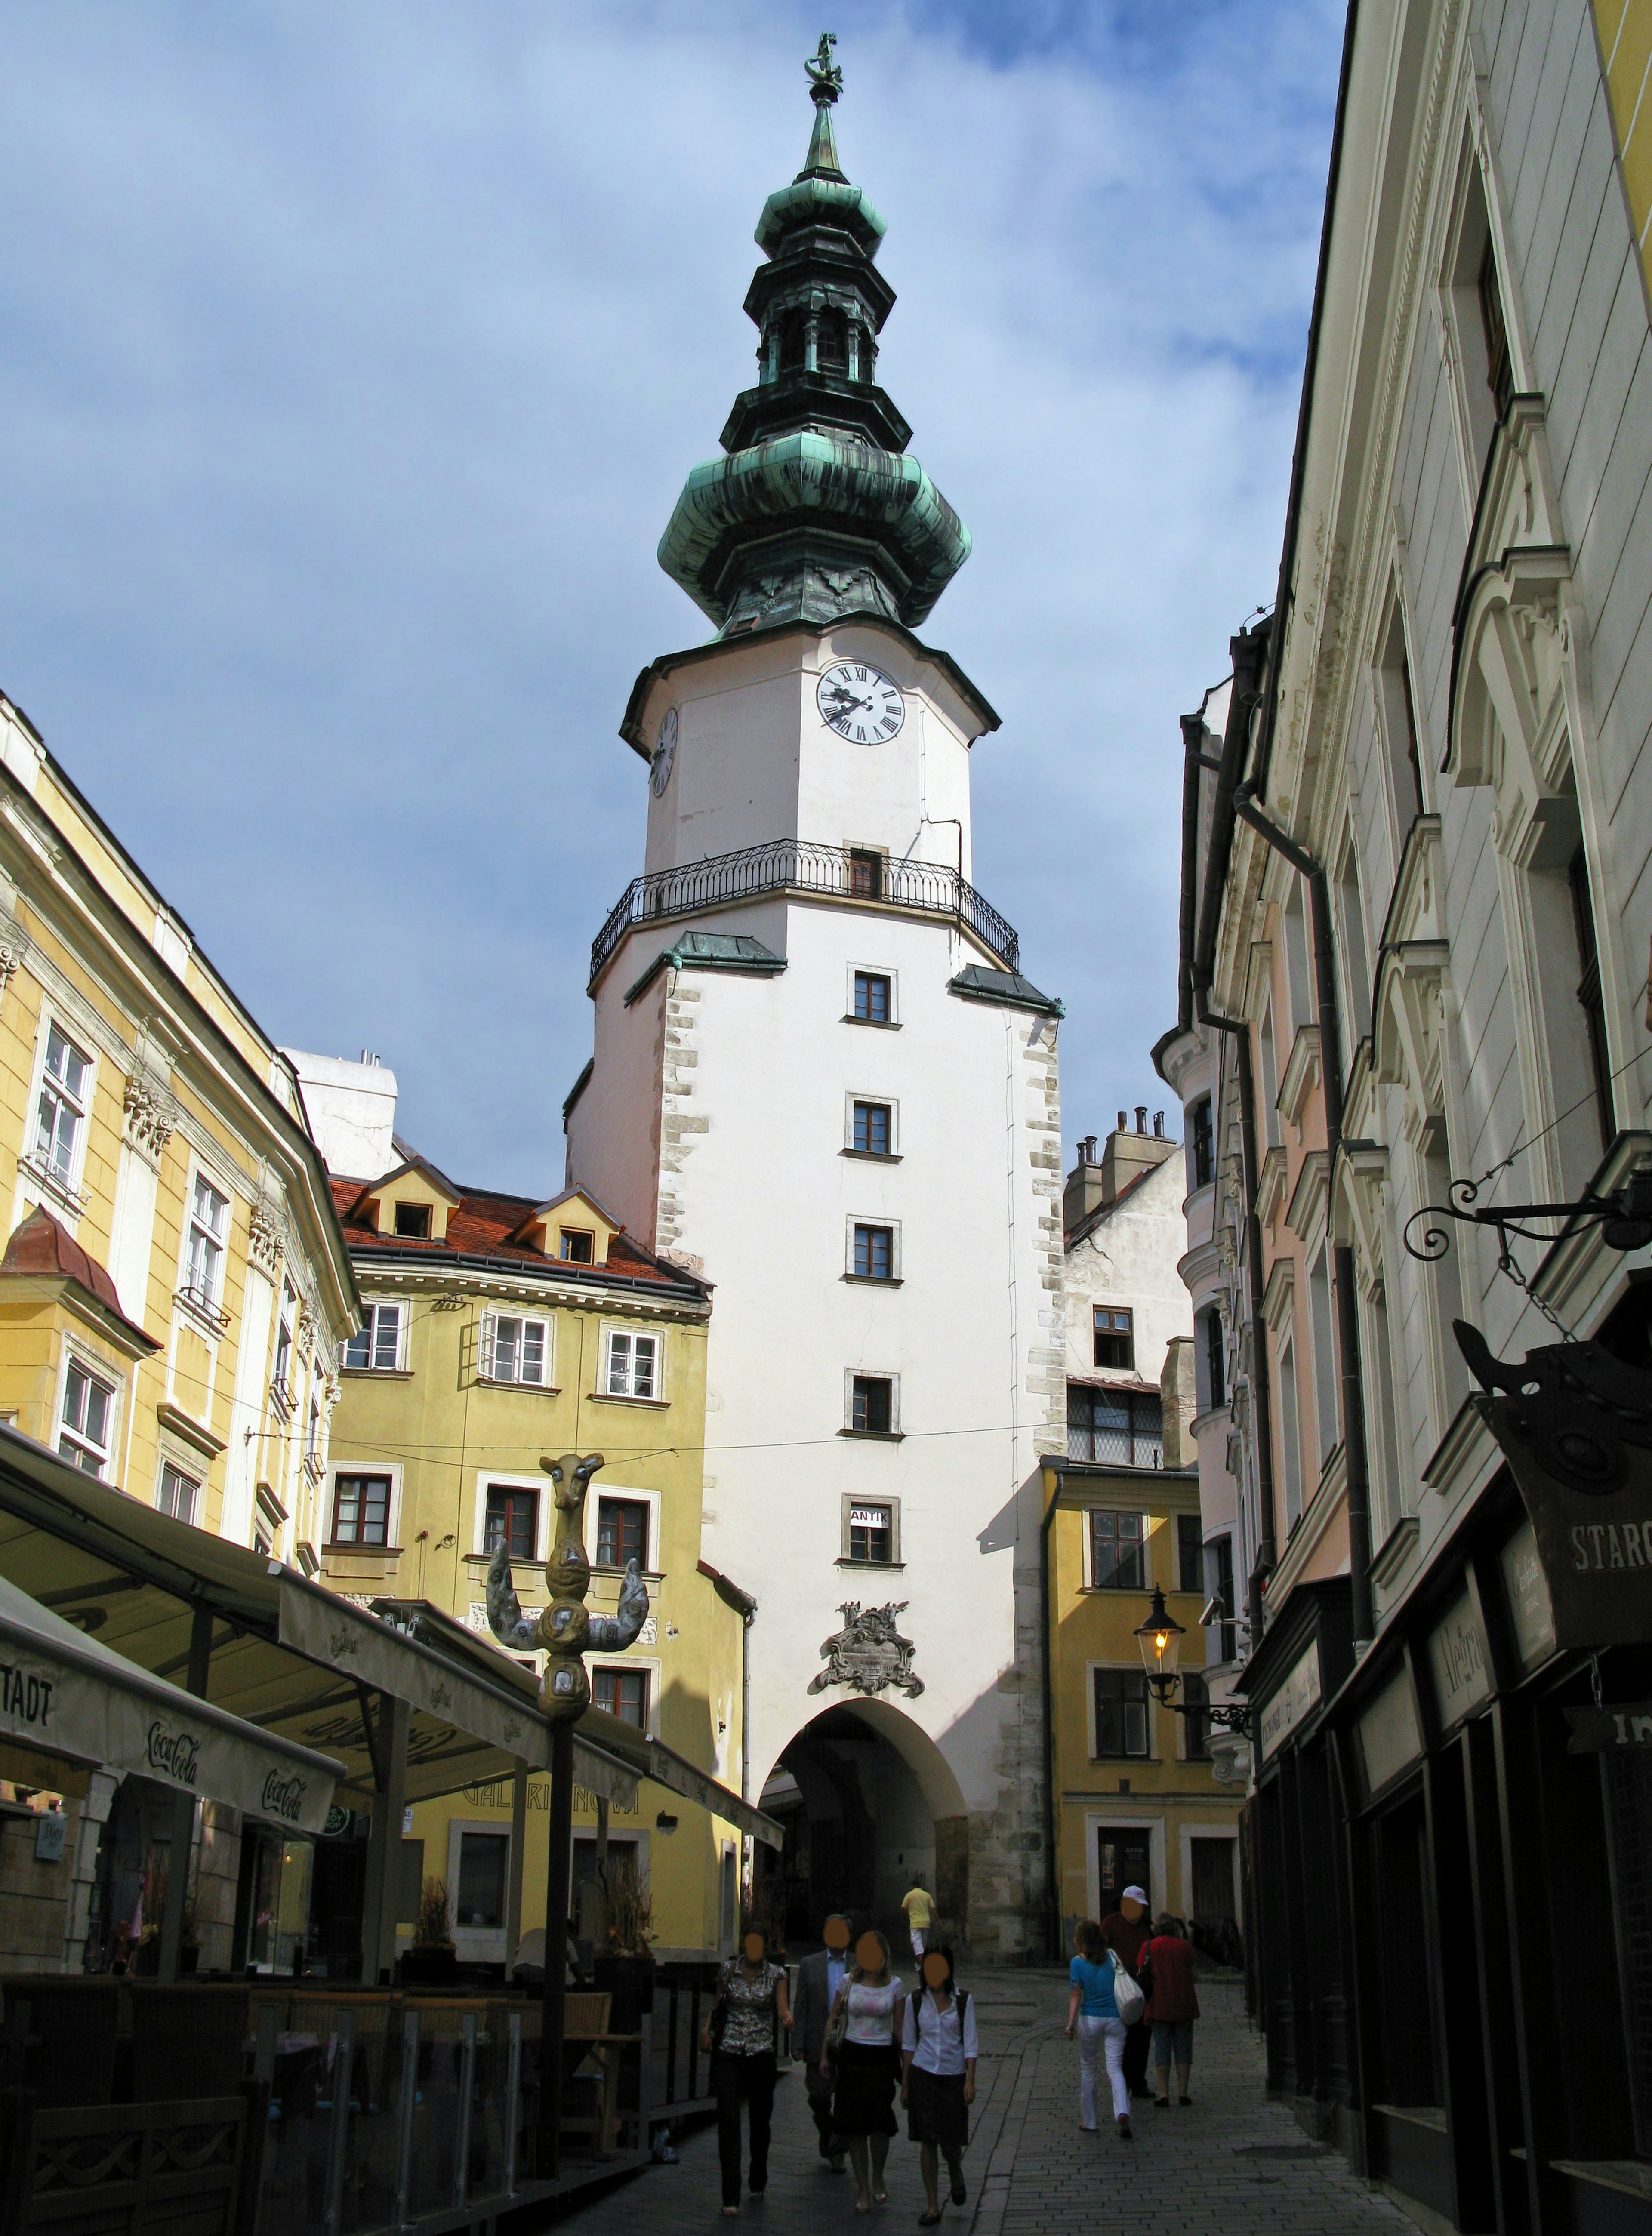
(413, 1221)
(177, 1493)
(872, 1128)
(512, 1520)
(871, 1536)
(874, 1254)
(1118, 1547)
(576, 1246)
(1121, 1713)
(872, 998)
(1115, 1337)
(361, 1510)
(623, 1692)
(633, 1365)
(87, 1419)
(871, 1404)
(622, 1532)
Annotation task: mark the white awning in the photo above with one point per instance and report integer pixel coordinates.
(67, 1700)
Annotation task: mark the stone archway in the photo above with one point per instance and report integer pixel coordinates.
(866, 1799)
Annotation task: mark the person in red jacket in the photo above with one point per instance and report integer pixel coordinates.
(1168, 1967)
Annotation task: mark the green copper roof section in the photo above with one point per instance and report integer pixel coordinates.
(813, 477)
(819, 201)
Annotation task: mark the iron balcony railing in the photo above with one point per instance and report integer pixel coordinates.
(800, 865)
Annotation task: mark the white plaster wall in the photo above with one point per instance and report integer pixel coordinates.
(352, 1108)
(1132, 1257)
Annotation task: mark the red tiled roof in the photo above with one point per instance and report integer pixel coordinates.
(480, 1226)
(43, 1245)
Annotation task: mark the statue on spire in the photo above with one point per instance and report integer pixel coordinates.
(826, 79)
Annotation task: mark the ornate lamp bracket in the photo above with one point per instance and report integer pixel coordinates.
(1625, 1217)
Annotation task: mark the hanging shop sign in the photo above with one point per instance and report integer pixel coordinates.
(1624, 1727)
(1461, 1666)
(1576, 1425)
(1294, 1701)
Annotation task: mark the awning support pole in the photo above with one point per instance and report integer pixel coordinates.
(384, 1841)
(519, 1857)
(557, 1863)
(183, 1810)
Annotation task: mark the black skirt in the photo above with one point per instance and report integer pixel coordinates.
(935, 2111)
(863, 2104)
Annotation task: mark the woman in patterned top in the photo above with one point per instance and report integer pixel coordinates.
(751, 2004)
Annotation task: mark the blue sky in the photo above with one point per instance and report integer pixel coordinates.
(351, 359)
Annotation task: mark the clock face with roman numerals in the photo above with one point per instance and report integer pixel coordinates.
(859, 704)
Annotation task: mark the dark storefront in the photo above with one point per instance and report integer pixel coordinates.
(1451, 1869)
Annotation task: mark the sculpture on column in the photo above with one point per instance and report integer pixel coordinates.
(566, 1629)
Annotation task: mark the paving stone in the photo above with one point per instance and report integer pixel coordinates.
(1232, 2161)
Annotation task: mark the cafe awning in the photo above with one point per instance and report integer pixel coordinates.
(68, 1705)
(295, 1659)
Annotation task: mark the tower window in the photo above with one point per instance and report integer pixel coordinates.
(865, 875)
(872, 1129)
(832, 342)
(1215, 1361)
(871, 1404)
(870, 1537)
(1204, 1150)
(874, 1254)
(872, 998)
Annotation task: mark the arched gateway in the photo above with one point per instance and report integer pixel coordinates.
(866, 1799)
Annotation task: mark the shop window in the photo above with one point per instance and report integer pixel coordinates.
(623, 1692)
(512, 1520)
(622, 1532)
(1118, 1551)
(1115, 1336)
(1121, 1714)
(483, 1871)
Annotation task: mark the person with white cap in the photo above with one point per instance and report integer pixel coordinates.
(1127, 1932)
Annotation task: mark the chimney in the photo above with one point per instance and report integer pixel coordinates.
(1087, 1150)
(1140, 1117)
(1124, 1121)
(1158, 1125)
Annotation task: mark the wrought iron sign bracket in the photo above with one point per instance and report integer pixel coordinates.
(1624, 1219)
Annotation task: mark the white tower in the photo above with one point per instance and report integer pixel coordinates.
(820, 1078)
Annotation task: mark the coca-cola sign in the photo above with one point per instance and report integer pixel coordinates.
(283, 1797)
(176, 1754)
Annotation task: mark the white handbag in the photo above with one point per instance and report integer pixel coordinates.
(1127, 1998)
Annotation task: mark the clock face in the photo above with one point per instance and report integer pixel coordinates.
(859, 704)
(665, 753)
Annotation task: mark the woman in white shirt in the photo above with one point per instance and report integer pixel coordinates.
(865, 2020)
(939, 2045)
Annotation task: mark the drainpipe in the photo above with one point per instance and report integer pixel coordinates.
(1353, 1415)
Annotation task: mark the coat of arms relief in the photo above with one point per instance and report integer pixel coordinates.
(869, 1654)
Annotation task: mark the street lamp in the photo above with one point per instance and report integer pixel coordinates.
(1160, 1640)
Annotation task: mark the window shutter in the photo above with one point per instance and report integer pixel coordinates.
(484, 1348)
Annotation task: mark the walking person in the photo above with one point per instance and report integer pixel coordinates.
(939, 2045)
(869, 2008)
(750, 2005)
(1173, 2005)
(920, 1914)
(818, 1978)
(1092, 2013)
(1127, 1931)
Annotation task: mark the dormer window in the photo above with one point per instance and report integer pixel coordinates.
(413, 1221)
(577, 1246)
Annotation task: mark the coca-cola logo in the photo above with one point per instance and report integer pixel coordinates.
(283, 1797)
(174, 1754)
(25, 1694)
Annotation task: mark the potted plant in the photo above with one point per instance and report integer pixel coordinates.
(432, 1961)
(624, 1964)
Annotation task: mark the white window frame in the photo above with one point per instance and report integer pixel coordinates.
(209, 1299)
(478, 1944)
(889, 1102)
(650, 1498)
(892, 1023)
(656, 1336)
(65, 1189)
(489, 1479)
(853, 1505)
(330, 1493)
(373, 1306)
(92, 1364)
(283, 1380)
(629, 1664)
(850, 1374)
(892, 1226)
(487, 1347)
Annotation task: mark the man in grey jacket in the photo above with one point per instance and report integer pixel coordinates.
(818, 1978)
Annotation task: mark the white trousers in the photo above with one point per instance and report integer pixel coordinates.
(1109, 2034)
(916, 1933)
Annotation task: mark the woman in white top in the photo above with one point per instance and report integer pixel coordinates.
(939, 2049)
(867, 2014)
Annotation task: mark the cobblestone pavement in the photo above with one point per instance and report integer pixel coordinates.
(1231, 2162)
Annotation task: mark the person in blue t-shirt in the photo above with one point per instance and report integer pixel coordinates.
(1092, 2012)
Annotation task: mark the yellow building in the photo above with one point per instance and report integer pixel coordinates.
(498, 1329)
(1134, 1797)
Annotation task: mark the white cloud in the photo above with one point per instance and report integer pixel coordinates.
(352, 361)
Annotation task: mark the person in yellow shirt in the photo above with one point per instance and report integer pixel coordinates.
(920, 1912)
